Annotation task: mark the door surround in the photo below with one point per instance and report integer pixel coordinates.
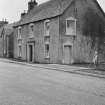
(70, 46)
(30, 49)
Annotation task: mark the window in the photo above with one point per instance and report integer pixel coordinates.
(47, 27)
(47, 38)
(20, 42)
(47, 47)
(19, 32)
(31, 30)
(20, 51)
(70, 26)
(47, 50)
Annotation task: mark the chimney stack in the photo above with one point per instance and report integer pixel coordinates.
(3, 22)
(23, 14)
(31, 5)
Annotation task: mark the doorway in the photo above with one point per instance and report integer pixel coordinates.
(67, 54)
(30, 53)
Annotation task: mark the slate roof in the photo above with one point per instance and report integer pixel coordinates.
(1, 31)
(6, 29)
(46, 10)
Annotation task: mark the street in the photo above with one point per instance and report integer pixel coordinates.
(24, 85)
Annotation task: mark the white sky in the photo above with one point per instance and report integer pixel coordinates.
(11, 9)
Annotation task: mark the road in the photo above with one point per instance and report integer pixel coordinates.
(24, 85)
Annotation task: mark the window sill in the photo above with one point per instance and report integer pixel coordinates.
(70, 34)
(31, 37)
(19, 38)
(46, 35)
(47, 57)
(19, 57)
(19, 44)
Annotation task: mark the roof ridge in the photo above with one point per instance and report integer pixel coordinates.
(48, 9)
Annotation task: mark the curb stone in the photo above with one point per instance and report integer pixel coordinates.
(60, 69)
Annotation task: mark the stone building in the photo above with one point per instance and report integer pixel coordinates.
(60, 31)
(6, 37)
(2, 23)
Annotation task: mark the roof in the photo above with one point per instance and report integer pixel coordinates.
(7, 29)
(100, 8)
(46, 10)
(1, 30)
(2, 23)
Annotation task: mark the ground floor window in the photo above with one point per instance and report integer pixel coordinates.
(47, 46)
(47, 50)
(20, 51)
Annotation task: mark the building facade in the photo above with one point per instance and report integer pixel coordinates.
(6, 41)
(2, 24)
(60, 31)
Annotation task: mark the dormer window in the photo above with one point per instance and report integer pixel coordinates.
(19, 32)
(47, 27)
(31, 30)
(71, 26)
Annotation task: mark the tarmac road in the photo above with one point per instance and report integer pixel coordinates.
(23, 85)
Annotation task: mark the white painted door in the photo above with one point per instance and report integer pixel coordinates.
(67, 54)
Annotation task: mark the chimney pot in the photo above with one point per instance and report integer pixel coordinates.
(31, 5)
(23, 14)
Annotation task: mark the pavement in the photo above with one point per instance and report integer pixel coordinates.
(87, 71)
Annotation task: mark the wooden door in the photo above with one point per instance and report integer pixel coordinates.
(31, 53)
(67, 54)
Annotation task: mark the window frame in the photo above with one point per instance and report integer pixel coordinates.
(47, 52)
(31, 32)
(20, 41)
(19, 32)
(75, 23)
(46, 32)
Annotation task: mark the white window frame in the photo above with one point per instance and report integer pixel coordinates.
(20, 41)
(67, 32)
(19, 52)
(19, 32)
(46, 32)
(31, 33)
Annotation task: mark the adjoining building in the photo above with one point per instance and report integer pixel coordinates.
(61, 31)
(2, 23)
(6, 39)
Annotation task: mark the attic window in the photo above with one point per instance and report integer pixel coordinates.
(71, 26)
(31, 30)
(47, 27)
